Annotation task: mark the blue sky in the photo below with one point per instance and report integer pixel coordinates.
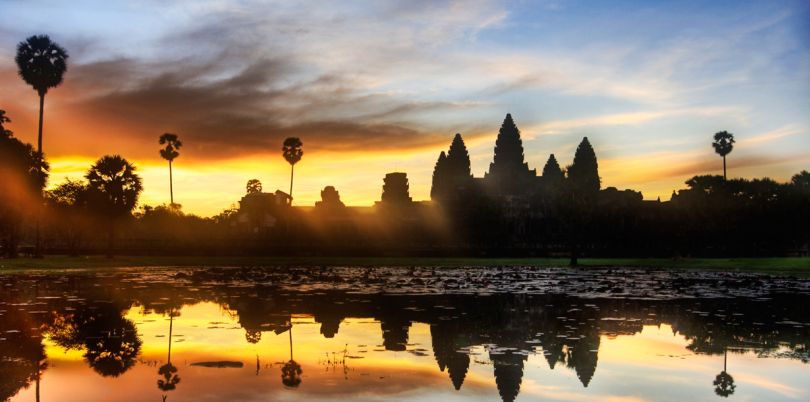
(373, 87)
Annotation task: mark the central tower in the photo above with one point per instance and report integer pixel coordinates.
(508, 173)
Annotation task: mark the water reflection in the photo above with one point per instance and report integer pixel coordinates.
(724, 382)
(168, 371)
(291, 372)
(116, 324)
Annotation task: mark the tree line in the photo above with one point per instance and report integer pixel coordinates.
(510, 211)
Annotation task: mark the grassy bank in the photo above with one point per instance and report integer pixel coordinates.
(791, 266)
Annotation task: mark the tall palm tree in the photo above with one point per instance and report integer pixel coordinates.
(291, 371)
(42, 65)
(116, 188)
(170, 153)
(292, 153)
(168, 371)
(724, 382)
(723, 144)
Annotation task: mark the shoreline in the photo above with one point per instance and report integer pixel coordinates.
(773, 265)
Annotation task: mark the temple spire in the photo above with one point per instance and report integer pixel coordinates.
(508, 172)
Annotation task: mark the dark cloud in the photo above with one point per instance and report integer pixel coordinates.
(225, 114)
(712, 165)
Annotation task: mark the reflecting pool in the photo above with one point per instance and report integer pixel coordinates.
(418, 334)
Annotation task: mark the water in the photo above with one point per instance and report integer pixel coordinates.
(420, 334)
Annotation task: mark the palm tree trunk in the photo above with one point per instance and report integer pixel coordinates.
(38, 243)
(41, 112)
(291, 354)
(724, 168)
(292, 170)
(725, 358)
(171, 184)
(171, 322)
(38, 375)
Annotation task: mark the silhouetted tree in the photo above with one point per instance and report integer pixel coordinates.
(3, 120)
(291, 371)
(724, 382)
(22, 354)
(42, 64)
(723, 144)
(291, 374)
(110, 341)
(69, 204)
(253, 336)
(801, 181)
(24, 173)
(170, 154)
(116, 187)
(253, 186)
(168, 371)
(292, 152)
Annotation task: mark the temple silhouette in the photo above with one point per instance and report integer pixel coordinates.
(514, 210)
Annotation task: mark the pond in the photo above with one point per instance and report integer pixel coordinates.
(406, 334)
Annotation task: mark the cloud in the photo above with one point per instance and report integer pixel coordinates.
(619, 119)
(392, 81)
(773, 135)
(250, 111)
(234, 82)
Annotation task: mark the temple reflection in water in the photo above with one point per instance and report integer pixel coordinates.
(91, 317)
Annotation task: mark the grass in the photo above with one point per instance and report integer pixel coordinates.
(781, 266)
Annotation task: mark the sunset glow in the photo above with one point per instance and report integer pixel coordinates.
(372, 88)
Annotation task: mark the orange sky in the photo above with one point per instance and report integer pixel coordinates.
(368, 98)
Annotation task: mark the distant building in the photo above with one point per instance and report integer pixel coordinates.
(508, 174)
(516, 188)
(330, 199)
(396, 190)
(259, 211)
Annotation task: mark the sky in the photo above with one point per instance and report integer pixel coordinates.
(373, 87)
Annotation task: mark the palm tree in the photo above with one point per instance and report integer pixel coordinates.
(724, 382)
(292, 153)
(723, 144)
(42, 65)
(170, 153)
(116, 188)
(168, 371)
(291, 371)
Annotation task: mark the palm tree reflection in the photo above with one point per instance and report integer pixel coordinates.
(168, 371)
(724, 382)
(291, 372)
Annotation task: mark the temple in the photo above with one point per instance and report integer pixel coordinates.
(509, 179)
